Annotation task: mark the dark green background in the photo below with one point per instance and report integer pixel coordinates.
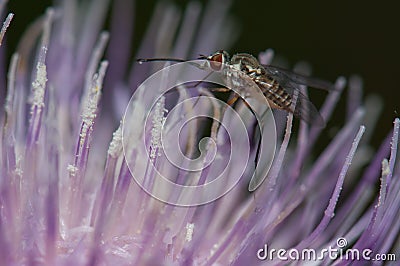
(335, 37)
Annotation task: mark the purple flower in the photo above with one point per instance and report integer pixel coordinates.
(76, 188)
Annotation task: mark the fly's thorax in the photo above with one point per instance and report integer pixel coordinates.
(236, 79)
(247, 64)
(245, 59)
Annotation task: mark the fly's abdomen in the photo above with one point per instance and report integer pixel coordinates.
(276, 95)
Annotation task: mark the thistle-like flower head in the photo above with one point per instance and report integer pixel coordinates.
(108, 162)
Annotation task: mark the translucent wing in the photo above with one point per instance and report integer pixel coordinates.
(287, 76)
(305, 109)
(291, 82)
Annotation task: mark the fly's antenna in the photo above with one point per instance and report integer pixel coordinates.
(144, 60)
(165, 59)
(177, 60)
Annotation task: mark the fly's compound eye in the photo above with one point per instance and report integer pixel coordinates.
(217, 61)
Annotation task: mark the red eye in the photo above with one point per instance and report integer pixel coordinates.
(216, 61)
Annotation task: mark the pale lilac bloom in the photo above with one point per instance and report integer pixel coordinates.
(67, 195)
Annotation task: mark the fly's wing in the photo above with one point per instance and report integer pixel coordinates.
(291, 82)
(305, 109)
(294, 78)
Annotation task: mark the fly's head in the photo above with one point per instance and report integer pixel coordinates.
(217, 60)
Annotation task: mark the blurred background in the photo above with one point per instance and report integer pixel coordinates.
(335, 37)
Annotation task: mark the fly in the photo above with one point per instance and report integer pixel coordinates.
(279, 86)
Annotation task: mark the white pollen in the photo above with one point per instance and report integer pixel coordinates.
(158, 124)
(39, 85)
(115, 147)
(189, 232)
(385, 167)
(72, 169)
(89, 112)
(6, 23)
(18, 171)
